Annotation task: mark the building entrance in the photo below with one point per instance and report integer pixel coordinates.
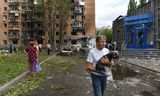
(140, 39)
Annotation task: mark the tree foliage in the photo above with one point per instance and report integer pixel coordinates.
(53, 9)
(64, 14)
(132, 5)
(106, 31)
(142, 2)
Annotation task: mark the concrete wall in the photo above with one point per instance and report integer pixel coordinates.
(118, 32)
(90, 17)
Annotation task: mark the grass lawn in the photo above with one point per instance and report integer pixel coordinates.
(57, 64)
(12, 65)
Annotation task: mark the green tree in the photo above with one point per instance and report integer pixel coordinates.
(50, 10)
(142, 2)
(64, 14)
(106, 31)
(53, 9)
(132, 5)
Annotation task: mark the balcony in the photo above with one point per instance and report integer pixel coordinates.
(14, 35)
(78, 28)
(24, 4)
(14, 28)
(4, 21)
(28, 29)
(27, 36)
(81, 3)
(77, 12)
(17, 20)
(5, 13)
(11, 20)
(26, 10)
(13, 11)
(26, 20)
(76, 4)
(38, 19)
(13, 3)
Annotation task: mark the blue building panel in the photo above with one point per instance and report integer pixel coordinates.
(137, 25)
(139, 19)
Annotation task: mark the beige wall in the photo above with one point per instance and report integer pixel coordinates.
(2, 28)
(90, 17)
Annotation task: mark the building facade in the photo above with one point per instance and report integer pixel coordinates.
(82, 20)
(119, 32)
(3, 21)
(142, 26)
(23, 22)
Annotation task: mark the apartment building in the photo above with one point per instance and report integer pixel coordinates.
(24, 22)
(3, 22)
(20, 22)
(82, 21)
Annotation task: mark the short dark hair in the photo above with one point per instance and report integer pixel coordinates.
(99, 37)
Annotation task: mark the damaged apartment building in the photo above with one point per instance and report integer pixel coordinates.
(20, 22)
(140, 28)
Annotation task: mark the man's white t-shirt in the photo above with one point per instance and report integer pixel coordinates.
(94, 55)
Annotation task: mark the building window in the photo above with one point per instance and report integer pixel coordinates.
(5, 41)
(15, 42)
(72, 17)
(76, 24)
(39, 25)
(57, 41)
(65, 33)
(4, 17)
(83, 17)
(72, 8)
(57, 33)
(5, 8)
(5, 0)
(57, 17)
(5, 33)
(74, 42)
(57, 25)
(73, 33)
(5, 25)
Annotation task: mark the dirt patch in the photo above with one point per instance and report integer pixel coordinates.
(72, 82)
(134, 83)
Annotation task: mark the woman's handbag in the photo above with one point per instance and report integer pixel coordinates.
(37, 67)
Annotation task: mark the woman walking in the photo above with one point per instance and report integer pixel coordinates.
(32, 57)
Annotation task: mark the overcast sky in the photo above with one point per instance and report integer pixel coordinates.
(109, 10)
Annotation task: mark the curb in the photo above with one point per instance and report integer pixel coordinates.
(10, 83)
(155, 71)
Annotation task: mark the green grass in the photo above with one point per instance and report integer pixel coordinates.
(57, 64)
(12, 65)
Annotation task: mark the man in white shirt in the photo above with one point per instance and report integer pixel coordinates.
(40, 47)
(99, 81)
(48, 48)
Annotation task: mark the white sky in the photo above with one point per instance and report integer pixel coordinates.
(109, 10)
